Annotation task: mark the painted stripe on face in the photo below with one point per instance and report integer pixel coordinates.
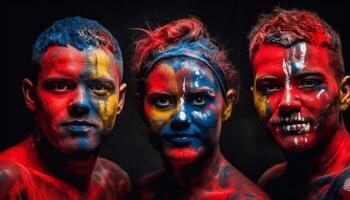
(297, 57)
(182, 114)
(293, 64)
(286, 70)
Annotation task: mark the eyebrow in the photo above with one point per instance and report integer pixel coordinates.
(207, 90)
(266, 78)
(58, 79)
(304, 74)
(102, 80)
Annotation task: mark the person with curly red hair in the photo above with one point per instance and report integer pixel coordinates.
(186, 88)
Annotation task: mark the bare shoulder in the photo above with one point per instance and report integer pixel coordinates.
(272, 173)
(240, 186)
(107, 166)
(151, 178)
(150, 184)
(14, 180)
(111, 173)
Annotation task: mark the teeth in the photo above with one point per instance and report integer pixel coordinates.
(300, 128)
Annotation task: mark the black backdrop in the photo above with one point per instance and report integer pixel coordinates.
(243, 142)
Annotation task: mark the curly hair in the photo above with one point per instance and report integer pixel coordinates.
(188, 30)
(285, 28)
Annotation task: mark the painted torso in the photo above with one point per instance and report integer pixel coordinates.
(332, 182)
(224, 182)
(18, 180)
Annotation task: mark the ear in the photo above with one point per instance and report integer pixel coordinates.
(251, 88)
(231, 98)
(122, 92)
(28, 90)
(345, 93)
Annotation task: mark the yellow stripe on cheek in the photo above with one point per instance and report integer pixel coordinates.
(159, 119)
(107, 110)
(260, 104)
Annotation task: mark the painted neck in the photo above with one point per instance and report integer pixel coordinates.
(75, 169)
(196, 173)
(327, 158)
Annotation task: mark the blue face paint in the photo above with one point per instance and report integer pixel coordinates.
(196, 105)
(202, 50)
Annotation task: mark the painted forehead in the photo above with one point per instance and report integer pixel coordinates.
(102, 61)
(189, 69)
(297, 58)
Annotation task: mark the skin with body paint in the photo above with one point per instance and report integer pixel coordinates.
(76, 99)
(183, 108)
(297, 96)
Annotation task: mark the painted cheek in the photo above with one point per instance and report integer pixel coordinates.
(158, 119)
(107, 109)
(161, 78)
(206, 118)
(262, 104)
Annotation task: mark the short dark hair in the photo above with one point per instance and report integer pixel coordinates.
(78, 32)
(285, 28)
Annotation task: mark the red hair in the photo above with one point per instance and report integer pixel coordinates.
(189, 29)
(287, 27)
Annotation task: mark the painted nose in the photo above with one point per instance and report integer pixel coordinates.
(289, 103)
(180, 121)
(79, 105)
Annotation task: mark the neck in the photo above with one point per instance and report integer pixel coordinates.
(196, 174)
(325, 158)
(74, 169)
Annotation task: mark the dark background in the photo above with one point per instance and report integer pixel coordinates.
(243, 142)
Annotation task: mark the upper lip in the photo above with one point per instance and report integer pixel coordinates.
(291, 120)
(177, 135)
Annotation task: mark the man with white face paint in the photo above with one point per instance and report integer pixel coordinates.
(300, 89)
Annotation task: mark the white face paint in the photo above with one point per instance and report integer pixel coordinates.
(182, 114)
(296, 141)
(294, 63)
(286, 70)
(319, 94)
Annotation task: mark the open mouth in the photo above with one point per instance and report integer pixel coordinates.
(293, 125)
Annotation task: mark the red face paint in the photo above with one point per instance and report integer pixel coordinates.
(183, 108)
(296, 95)
(77, 96)
(75, 103)
(183, 104)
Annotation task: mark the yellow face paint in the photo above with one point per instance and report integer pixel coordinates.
(104, 67)
(260, 102)
(157, 117)
(103, 62)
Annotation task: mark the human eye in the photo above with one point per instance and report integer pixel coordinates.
(310, 82)
(100, 89)
(59, 86)
(161, 101)
(267, 87)
(199, 101)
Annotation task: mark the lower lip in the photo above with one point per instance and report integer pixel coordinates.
(78, 128)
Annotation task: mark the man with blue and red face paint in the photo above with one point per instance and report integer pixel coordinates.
(75, 94)
(185, 90)
(300, 89)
